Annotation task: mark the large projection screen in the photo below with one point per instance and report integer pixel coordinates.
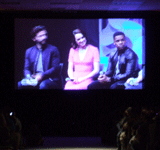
(99, 32)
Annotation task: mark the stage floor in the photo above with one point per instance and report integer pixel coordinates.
(72, 143)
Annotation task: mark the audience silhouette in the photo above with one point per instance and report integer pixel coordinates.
(138, 129)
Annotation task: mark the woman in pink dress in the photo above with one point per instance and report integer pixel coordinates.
(83, 62)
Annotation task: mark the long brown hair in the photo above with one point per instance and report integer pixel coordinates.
(76, 31)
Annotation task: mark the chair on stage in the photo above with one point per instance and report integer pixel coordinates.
(61, 76)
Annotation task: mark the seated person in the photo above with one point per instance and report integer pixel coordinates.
(136, 83)
(41, 68)
(83, 62)
(122, 64)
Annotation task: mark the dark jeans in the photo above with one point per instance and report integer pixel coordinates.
(109, 85)
(45, 84)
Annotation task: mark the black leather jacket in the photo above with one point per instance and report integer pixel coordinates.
(128, 64)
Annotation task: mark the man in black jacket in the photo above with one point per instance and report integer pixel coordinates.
(41, 69)
(122, 64)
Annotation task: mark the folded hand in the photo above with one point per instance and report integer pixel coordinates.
(103, 78)
(37, 76)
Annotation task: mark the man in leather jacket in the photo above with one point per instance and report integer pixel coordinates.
(122, 64)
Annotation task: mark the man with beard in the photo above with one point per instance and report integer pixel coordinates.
(41, 69)
(122, 65)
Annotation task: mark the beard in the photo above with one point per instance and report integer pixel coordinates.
(121, 47)
(42, 43)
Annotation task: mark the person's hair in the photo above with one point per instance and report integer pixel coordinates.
(76, 31)
(36, 29)
(118, 33)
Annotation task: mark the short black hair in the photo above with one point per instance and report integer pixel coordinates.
(118, 33)
(37, 29)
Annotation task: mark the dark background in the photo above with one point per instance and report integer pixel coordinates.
(72, 113)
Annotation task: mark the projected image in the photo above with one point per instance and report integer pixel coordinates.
(125, 52)
(50, 55)
(41, 62)
(83, 62)
(86, 54)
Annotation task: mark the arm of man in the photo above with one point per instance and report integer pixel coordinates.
(141, 75)
(27, 65)
(110, 70)
(54, 59)
(137, 80)
(132, 62)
